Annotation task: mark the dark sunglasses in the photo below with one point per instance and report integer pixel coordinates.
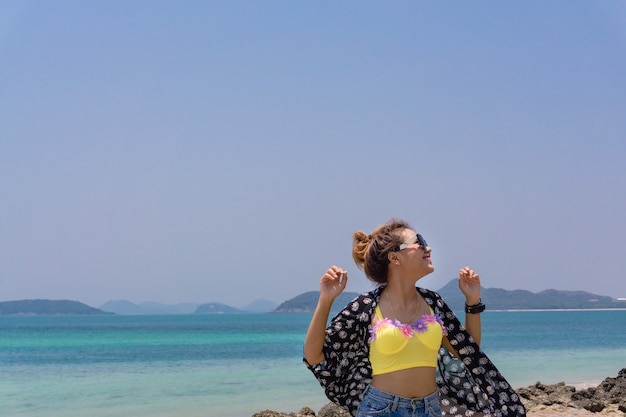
(417, 238)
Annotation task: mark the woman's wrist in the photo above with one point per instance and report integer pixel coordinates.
(475, 308)
(472, 301)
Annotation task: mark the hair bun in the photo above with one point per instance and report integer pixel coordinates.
(360, 244)
(362, 237)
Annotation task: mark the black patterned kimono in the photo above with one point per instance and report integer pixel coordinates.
(476, 389)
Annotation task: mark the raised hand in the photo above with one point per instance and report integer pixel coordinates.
(333, 282)
(469, 284)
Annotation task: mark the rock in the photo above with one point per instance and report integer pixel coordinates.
(304, 412)
(540, 394)
(559, 411)
(608, 398)
(611, 391)
(329, 410)
(333, 410)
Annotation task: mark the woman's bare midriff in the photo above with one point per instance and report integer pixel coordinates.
(407, 383)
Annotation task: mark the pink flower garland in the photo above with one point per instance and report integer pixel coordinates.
(408, 330)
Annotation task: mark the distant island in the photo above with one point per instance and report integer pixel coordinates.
(47, 307)
(305, 303)
(500, 299)
(125, 307)
(494, 299)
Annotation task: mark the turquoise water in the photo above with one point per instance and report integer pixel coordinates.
(236, 365)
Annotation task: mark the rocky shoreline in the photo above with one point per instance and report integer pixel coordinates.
(606, 399)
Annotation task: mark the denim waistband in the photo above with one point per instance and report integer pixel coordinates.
(402, 402)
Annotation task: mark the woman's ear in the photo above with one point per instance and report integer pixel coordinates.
(392, 257)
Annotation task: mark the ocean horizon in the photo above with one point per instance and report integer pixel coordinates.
(223, 365)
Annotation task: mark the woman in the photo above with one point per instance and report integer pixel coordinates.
(379, 355)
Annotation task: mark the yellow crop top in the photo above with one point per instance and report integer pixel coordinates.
(395, 346)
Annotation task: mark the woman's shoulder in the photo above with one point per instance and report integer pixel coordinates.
(362, 305)
(369, 296)
(432, 298)
(428, 293)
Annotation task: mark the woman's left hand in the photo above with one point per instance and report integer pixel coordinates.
(469, 284)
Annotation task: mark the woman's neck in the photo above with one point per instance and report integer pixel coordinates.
(401, 294)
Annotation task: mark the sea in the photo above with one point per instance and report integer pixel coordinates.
(235, 365)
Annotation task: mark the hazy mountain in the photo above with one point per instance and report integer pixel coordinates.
(217, 308)
(500, 299)
(125, 307)
(305, 303)
(159, 308)
(47, 307)
(260, 306)
(493, 298)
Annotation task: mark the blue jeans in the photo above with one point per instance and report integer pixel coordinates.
(381, 404)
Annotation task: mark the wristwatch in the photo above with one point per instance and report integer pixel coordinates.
(476, 308)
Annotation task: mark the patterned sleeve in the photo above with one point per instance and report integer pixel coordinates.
(472, 385)
(345, 372)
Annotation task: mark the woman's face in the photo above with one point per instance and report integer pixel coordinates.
(413, 256)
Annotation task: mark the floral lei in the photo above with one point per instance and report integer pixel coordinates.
(408, 330)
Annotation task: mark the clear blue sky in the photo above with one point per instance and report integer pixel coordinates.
(226, 151)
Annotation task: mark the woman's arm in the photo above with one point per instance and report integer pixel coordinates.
(469, 284)
(332, 283)
(314, 341)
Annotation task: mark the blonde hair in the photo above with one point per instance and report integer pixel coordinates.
(370, 251)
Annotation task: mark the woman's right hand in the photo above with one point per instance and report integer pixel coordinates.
(333, 282)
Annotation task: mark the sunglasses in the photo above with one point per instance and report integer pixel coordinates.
(417, 238)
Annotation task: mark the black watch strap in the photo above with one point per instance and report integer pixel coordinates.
(476, 308)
